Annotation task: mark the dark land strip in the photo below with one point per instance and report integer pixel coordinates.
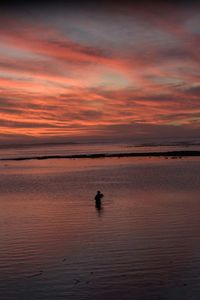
(172, 154)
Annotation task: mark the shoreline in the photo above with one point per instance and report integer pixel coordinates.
(172, 154)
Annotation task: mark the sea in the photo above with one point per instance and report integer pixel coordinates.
(141, 243)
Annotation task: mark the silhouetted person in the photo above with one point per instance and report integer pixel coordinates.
(99, 196)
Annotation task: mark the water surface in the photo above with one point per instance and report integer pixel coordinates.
(144, 242)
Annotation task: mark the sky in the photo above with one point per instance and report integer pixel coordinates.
(91, 71)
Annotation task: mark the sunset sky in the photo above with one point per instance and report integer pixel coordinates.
(99, 71)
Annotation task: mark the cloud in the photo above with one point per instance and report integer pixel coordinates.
(193, 91)
(61, 82)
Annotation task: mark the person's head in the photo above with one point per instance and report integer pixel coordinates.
(98, 192)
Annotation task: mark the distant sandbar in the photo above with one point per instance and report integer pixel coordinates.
(172, 154)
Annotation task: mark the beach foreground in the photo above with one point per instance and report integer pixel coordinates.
(142, 243)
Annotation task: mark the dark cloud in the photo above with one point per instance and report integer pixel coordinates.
(121, 6)
(193, 91)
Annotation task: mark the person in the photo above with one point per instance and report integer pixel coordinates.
(99, 196)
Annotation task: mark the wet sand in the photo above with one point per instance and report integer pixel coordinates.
(143, 243)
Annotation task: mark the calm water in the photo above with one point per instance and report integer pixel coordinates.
(143, 244)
